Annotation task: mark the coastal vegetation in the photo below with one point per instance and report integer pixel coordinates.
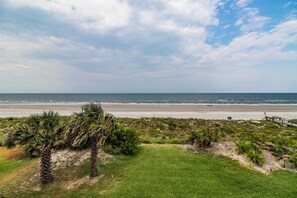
(162, 166)
(90, 128)
(204, 137)
(38, 136)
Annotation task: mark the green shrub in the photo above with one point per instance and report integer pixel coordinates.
(278, 151)
(244, 146)
(281, 145)
(146, 140)
(204, 138)
(294, 121)
(281, 140)
(255, 137)
(7, 142)
(256, 157)
(293, 159)
(251, 150)
(122, 141)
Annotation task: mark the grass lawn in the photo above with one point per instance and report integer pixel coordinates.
(7, 167)
(11, 169)
(168, 171)
(11, 165)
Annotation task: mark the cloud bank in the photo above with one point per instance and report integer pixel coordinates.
(146, 46)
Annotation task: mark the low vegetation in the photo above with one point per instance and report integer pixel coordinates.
(93, 129)
(294, 121)
(122, 141)
(204, 138)
(293, 159)
(168, 171)
(251, 150)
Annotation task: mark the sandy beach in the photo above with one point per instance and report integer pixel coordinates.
(203, 111)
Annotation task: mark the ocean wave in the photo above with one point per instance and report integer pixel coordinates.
(149, 98)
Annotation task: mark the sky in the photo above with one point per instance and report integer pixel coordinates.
(148, 46)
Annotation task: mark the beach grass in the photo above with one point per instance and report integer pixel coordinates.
(294, 121)
(177, 131)
(172, 130)
(169, 171)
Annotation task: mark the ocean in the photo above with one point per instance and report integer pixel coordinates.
(191, 98)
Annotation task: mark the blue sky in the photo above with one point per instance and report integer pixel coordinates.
(148, 46)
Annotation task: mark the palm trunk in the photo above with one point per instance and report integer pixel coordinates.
(93, 161)
(45, 165)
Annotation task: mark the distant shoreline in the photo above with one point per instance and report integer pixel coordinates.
(132, 110)
(146, 103)
(153, 98)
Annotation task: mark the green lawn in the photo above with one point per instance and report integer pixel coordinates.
(7, 167)
(168, 171)
(10, 173)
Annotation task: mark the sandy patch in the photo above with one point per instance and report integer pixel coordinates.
(228, 149)
(76, 183)
(63, 160)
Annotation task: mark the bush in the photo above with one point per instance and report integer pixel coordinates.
(204, 138)
(29, 149)
(293, 159)
(278, 151)
(294, 121)
(244, 146)
(256, 157)
(122, 141)
(281, 146)
(7, 142)
(251, 150)
(252, 136)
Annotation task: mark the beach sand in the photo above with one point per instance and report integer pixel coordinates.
(202, 111)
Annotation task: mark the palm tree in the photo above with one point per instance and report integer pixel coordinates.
(90, 128)
(40, 133)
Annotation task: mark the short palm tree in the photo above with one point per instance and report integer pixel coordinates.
(90, 127)
(40, 133)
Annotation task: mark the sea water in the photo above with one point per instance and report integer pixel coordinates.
(191, 98)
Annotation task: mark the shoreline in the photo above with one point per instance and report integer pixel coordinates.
(135, 103)
(201, 111)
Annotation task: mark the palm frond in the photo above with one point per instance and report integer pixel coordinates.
(37, 132)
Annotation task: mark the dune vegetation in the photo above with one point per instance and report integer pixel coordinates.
(174, 160)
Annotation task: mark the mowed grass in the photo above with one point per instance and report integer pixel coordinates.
(12, 168)
(10, 160)
(169, 171)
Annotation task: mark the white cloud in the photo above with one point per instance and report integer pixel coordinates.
(202, 12)
(188, 19)
(243, 3)
(50, 56)
(250, 20)
(164, 41)
(179, 16)
(290, 3)
(256, 48)
(98, 15)
(104, 15)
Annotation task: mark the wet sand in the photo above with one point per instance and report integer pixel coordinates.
(203, 111)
